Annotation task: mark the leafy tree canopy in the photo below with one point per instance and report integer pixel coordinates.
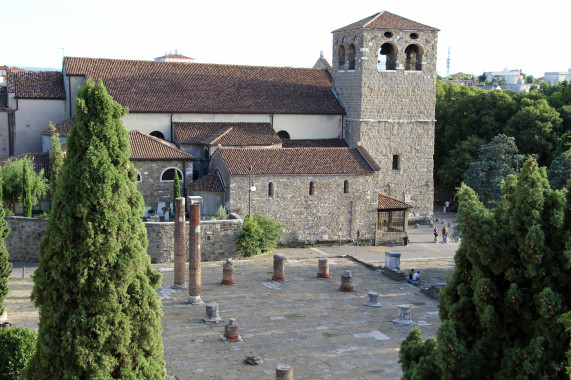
(510, 286)
(14, 181)
(495, 161)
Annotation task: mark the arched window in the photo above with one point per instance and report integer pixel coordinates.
(283, 135)
(346, 187)
(168, 175)
(387, 57)
(311, 188)
(270, 189)
(351, 57)
(413, 59)
(139, 177)
(341, 58)
(158, 134)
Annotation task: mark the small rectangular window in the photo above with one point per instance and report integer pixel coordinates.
(396, 161)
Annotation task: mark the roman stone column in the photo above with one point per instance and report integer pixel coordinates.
(179, 244)
(279, 261)
(284, 372)
(194, 271)
(323, 268)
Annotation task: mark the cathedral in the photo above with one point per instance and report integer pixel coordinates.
(336, 152)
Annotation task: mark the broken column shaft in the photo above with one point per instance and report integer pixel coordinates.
(323, 268)
(232, 331)
(194, 271)
(179, 244)
(279, 261)
(284, 372)
(228, 273)
(346, 281)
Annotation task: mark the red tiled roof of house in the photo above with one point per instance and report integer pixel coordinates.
(295, 161)
(323, 143)
(227, 134)
(41, 161)
(37, 84)
(388, 203)
(62, 128)
(174, 56)
(152, 86)
(146, 147)
(210, 182)
(386, 20)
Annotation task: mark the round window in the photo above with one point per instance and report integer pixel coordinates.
(388, 34)
(414, 36)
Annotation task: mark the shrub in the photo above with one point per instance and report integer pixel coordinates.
(259, 235)
(18, 345)
(221, 213)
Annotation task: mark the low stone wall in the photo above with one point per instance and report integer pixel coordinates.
(394, 274)
(23, 241)
(217, 239)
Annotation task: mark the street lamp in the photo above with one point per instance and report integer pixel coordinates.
(251, 188)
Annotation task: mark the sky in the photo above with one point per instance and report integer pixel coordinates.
(482, 35)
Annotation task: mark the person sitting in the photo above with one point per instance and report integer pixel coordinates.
(411, 274)
(416, 276)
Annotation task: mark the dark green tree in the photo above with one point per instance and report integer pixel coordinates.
(56, 159)
(502, 305)
(495, 161)
(559, 173)
(175, 188)
(26, 192)
(95, 287)
(459, 158)
(5, 265)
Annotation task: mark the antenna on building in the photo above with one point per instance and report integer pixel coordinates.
(448, 64)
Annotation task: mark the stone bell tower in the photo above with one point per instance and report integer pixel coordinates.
(384, 72)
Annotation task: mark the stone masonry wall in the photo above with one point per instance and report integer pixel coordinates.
(152, 188)
(217, 239)
(391, 112)
(321, 217)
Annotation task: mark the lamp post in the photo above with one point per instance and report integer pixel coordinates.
(251, 188)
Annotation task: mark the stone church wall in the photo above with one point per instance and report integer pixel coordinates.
(326, 216)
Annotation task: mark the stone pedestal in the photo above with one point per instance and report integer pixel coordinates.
(346, 281)
(279, 262)
(403, 315)
(284, 372)
(228, 273)
(232, 331)
(323, 268)
(194, 270)
(392, 260)
(373, 300)
(211, 314)
(179, 244)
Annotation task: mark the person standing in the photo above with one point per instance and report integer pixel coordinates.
(447, 204)
(435, 234)
(445, 235)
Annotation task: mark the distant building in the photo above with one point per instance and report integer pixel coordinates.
(555, 77)
(509, 76)
(174, 58)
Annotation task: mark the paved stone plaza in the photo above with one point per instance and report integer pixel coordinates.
(304, 322)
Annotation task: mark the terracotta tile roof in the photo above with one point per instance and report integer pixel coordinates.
(146, 147)
(227, 134)
(3, 98)
(386, 20)
(388, 203)
(210, 182)
(328, 67)
(41, 161)
(174, 56)
(325, 143)
(62, 128)
(38, 84)
(151, 86)
(295, 161)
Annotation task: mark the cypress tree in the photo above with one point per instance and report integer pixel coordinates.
(26, 191)
(175, 188)
(56, 159)
(510, 286)
(95, 287)
(5, 265)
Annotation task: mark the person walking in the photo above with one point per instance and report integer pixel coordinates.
(445, 235)
(435, 234)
